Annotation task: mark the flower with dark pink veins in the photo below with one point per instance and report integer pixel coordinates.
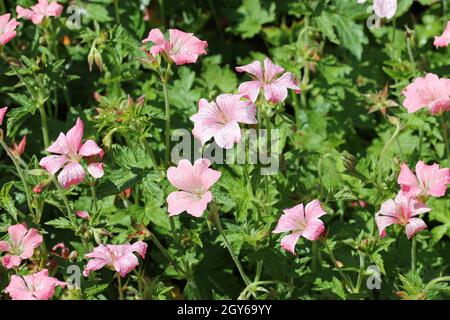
(40, 11)
(444, 39)
(268, 80)
(120, 258)
(220, 119)
(36, 286)
(193, 183)
(7, 28)
(21, 246)
(429, 180)
(429, 92)
(301, 221)
(402, 211)
(69, 151)
(181, 48)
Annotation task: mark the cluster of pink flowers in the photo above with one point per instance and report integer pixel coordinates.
(428, 181)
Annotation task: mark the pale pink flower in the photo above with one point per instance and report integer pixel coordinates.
(83, 215)
(21, 246)
(181, 47)
(429, 92)
(194, 182)
(385, 8)
(221, 119)
(40, 11)
(36, 286)
(302, 221)
(120, 258)
(69, 152)
(7, 28)
(444, 39)
(18, 149)
(403, 211)
(2, 114)
(428, 180)
(267, 80)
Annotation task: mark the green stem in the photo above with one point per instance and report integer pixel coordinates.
(44, 125)
(2, 6)
(19, 171)
(410, 54)
(314, 256)
(164, 80)
(413, 254)
(70, 214)
(94, 196)
(383, 151)
(344, 277)
(361, 272)
(444, 127)
(244, 293)
(164, 252)
(116, 10)
(216, 217)
(119, 286)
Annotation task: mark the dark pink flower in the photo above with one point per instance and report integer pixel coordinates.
(69, 152)
(120, 258)
(428, 180)
(221, 119)
(21, 246)
(36, 286)
(403, 211)
(2, 114)
(194, 182)
(7, 28)
(18, 149)
(267, 79)
(40, 11)
(83, 215)
(301, 221)
(444, 39)
(181, 47)
(429, 92)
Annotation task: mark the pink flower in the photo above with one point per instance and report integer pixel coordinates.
(2, 114)
(7, 28)
(385, 8)
(428, 92)
(21, 246)
(41, 10)
(18, 150)
(444, 39)
(64, 251)
(221, 119)
(121, 258)
(36, 286)
(401, 211)
(428, 180)
(83, 215)
(181, 47)
(194, 181)
(70, 152)
(302, 221)
(274, 88)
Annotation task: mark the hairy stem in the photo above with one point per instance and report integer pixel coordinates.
(413, 254)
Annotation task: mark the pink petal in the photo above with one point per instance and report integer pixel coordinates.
(140, 247)
(180, 201)
(2, 114)
(444, 39)
(271, 70)
(54, 9)
(227, 136)
(291, 220)
(383, 222)
(96, 170)
(31, 241)
(414, 226)
(254, 68)
(288, 242)
(126, 264)
(24, 13)
(275, 93)
(83, 215)
(17, 233)
(18, 289)
(385, 8)
(313, 229)
(185, 47)
(408, 181)
(313, 210)
(4, 246)
(90, 148)
(75, 135)
(250, 89)
(10, 262)
(155, 36)
(72, 174)
(94, 264)
(53, 163)
(60, 146)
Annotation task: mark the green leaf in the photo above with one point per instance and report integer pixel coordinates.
(60, 223)
(6, 201)
(253, 18)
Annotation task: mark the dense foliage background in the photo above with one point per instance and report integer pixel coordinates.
(338, 144)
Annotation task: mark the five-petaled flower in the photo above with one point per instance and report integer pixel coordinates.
(181, 48)
(301, 221)
(36, 286)
(69, 152)
(220, 119)
(40, 11)
(120, 258)
(444, 39)
(267, 80)
(402, 211)
(429, 92)
(21, 246)
(194, 182)
(7, 28)
(429, 180)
